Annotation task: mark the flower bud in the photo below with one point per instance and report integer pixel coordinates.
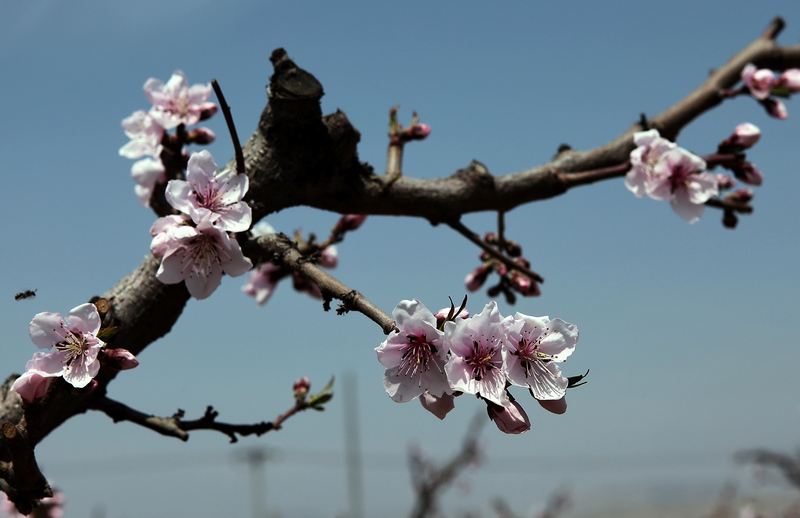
(329, 257)
(511, 419)
(477, 277)
(303, 284)
(118, 359)
(201, 136)
(31, 386)
(556, 406)
(418, 131)
(441, 315)
(789, 79)
(513, 249)
(349, 222)
(758, 80)
(724, 182)
(740, 195)
(729, 219)
(88, 389)
(208, 110)
(747, 172)
(775, 108)
(744, 136)
(300, 388)
(491, 238)
(438, 406)
(524, 284)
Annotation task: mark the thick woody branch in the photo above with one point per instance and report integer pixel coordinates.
(22, 481)
(279, 249)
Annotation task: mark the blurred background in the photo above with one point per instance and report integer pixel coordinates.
(690, 331)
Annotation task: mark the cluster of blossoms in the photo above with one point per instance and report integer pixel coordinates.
(763, 85)
(511, 280)
(175, 105)
(262, 281)
(195, 247)
(437, 357)
(75, 352)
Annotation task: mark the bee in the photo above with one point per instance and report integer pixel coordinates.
(25, 295)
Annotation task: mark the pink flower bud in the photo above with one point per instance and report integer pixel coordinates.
(511, 419)
(741, 195)
(208, 110)
(744, 136)
(724, 181)
(513, 249)
(747, 172)
(118, 359)
(524, 284)
(775, 108)
(729, 219)
(303, 284)
(476, 277)
(31, 386)
(556, 406)
(789, 79)
(442, 314)
(438, 406)
(201, 136)
(758, 81)
(300, 388)
(329, 257)
(349, 222)
(491, 238)
(418, 131)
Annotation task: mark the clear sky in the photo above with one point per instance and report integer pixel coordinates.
(690, 331)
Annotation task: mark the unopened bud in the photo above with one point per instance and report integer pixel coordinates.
(524, 284)
(418, 132)
(442, 314)
(729, 219)
(477, 277)
(300, 388)
(510, 419)
(744, 136)
(88, 389)
(775, 108)
(789, 79)
(349, 222)
(747, 172)
(491, 238)
(329, 257)
(201, 136)
(513, 249)
(740, 195)
(207, 110)
(31, 386)
(118, 359)
(724, 182)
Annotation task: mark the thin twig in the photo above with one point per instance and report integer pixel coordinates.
(226, 111)
(464, 231)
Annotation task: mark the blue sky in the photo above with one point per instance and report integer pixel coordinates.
(690, 331)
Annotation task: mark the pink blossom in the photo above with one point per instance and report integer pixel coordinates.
(211, 195)
(145, 134)
(147, 173)
(534, 348)
(176, 103)
(414, 356)
(476, 364)
(261, 282)
(678, 179)
(199, 255)
(329, 257)
(775, 108)
(75, 341)
(556, 406)
(758, 81)
(31, 386)
(650, 146)
(789, 79)
(510, 419)
(438, 406)
(162, 234)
